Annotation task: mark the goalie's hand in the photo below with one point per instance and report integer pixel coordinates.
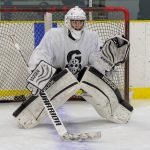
(40, 76)
(114, 51)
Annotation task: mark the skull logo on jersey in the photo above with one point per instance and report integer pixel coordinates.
(74, 65)
(74, 61)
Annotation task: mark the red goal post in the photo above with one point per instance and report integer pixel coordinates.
(26, 26)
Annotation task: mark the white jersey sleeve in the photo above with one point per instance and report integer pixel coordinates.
(42, 52)
(92, 58)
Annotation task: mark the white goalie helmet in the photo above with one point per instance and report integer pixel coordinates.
(75, 13)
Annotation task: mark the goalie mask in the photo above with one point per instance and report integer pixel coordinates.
(77, 15)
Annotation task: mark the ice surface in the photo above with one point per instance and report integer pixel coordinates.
(77, 117)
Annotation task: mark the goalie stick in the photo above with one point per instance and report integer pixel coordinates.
(61, 130)
(18, 49)
(58, 124)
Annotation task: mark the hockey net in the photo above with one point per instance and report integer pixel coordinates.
(26, 27)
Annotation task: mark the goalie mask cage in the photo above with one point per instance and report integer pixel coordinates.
(26, 26)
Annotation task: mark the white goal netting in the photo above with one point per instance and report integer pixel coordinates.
(26, 27)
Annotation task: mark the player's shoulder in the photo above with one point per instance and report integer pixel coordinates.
(55, 31)
(90, 33)
(61, 29)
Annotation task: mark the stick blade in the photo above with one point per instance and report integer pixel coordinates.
(89, 136)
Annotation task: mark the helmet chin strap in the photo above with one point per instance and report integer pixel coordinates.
(76, 34)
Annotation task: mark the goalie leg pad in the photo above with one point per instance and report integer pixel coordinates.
(106, 98)
(32, 111)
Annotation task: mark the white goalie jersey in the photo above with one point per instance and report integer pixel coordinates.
(59, 50)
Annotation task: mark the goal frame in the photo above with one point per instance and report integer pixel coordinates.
(88, 9)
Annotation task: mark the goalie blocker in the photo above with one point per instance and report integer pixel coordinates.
(106, 98)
